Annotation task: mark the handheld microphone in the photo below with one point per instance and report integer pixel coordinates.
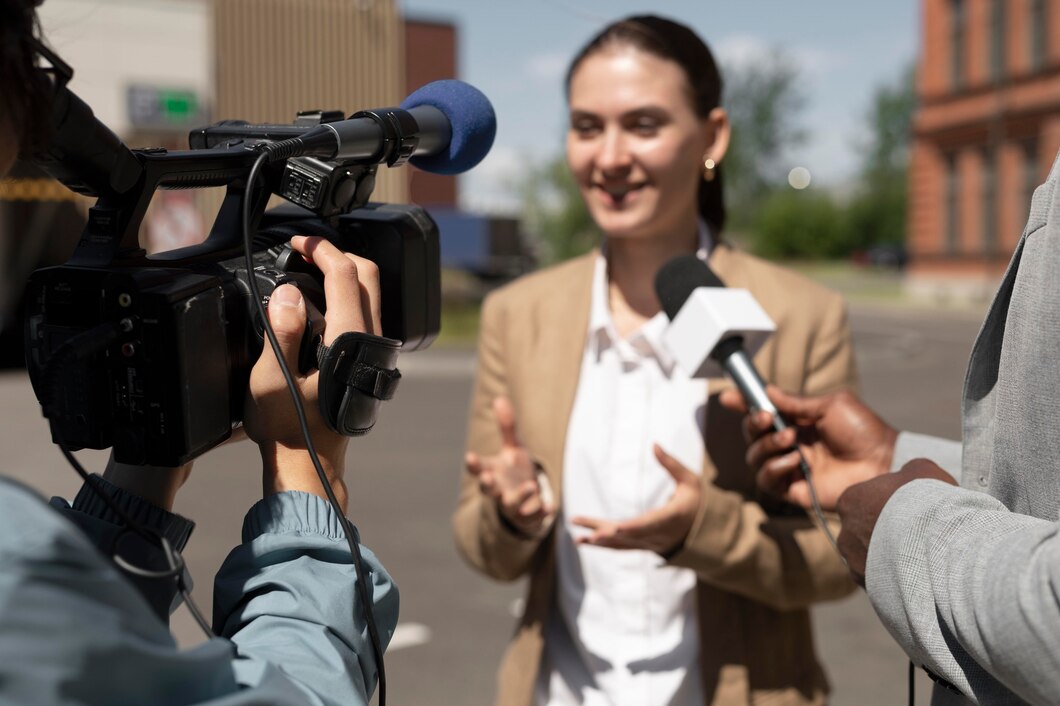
(713, 328)
(446, 127)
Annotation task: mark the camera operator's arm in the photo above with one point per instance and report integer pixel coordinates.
(351, 287)
(286, 596)
(146, 494)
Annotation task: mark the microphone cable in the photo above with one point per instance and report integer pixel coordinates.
(296, 397)
(807, 474)
(804, 467)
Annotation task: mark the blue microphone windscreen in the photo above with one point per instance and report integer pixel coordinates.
(677, 279)
(473, 122)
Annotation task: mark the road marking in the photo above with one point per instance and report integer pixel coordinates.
(409, 635)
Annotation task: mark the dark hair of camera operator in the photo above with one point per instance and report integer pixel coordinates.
(23, 94)
(75, 628)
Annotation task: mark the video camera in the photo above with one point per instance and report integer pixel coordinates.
(151, 354)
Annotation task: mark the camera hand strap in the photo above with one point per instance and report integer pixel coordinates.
(357, 372)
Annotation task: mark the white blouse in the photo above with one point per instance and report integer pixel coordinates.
(625, 631)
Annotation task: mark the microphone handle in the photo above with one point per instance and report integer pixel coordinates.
(751, 386)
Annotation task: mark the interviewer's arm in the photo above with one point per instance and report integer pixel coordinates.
(970, 590)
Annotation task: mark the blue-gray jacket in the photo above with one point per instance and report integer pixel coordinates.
(75, 630)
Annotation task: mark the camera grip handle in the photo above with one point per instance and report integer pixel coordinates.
(358, 371)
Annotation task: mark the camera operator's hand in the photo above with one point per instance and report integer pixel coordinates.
(351, 289)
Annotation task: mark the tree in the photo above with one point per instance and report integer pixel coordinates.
(553, 210)
(799, 224)
(877, 213)
(764, 100)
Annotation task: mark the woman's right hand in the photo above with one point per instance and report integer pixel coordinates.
(510, 478)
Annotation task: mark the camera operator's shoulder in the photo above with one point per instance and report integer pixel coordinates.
(782, 292)
(561, 282)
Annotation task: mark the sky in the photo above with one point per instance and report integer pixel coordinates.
(516, 52)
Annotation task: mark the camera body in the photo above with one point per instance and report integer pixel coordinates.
(166, 377)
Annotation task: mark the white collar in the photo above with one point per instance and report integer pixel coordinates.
(647, 340)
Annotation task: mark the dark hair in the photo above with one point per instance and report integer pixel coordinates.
(674, 41)
(24, 90)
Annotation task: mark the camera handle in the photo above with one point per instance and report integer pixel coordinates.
(358, 371)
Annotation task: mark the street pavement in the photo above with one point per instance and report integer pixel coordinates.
(403, 479)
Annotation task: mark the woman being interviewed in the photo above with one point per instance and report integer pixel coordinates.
(655, 575)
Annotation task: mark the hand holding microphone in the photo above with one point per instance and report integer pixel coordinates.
(842, 440)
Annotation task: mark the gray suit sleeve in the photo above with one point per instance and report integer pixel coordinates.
(970, 591)
(946, 453)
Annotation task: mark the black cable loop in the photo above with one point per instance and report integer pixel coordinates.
(172, 556)
(804, 467)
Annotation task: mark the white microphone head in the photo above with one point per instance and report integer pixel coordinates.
(709, 316)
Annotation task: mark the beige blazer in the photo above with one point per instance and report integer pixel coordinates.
(759, 565)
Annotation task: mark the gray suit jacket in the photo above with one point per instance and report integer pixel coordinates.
(967, 579)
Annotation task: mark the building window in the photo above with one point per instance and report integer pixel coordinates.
(952, 197)
(957, 22)
(988, 202)
(997, 39)
(1039, 33)
(1030, 172)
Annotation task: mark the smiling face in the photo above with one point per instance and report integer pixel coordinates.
(635, 144)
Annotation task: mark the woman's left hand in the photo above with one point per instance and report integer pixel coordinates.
(663, 529)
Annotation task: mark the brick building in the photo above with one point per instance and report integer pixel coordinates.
(430, 55)
(984, 135)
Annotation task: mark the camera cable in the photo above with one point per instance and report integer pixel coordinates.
(296, 398)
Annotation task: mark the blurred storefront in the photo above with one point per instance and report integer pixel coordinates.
(985, 134)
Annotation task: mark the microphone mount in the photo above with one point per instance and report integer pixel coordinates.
(400, 133)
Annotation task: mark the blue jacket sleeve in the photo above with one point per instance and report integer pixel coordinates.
(72, 627)
(286, 598)
(970, 591)
(105, 530)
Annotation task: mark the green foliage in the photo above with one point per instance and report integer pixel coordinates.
(809, 224)
(889, 122)
(764, 100)
(554, 212)
(799, 224)
(877, 214)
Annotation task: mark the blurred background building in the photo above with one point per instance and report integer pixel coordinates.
(153, 70)
(985, 132)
